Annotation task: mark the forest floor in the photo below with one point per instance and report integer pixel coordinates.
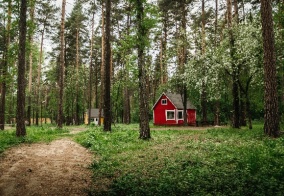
(56, 168)
(61, 167)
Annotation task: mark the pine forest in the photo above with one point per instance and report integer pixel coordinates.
(60, 58)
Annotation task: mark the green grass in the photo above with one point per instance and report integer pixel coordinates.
(212, 162)
(34, 134)
(182, 162)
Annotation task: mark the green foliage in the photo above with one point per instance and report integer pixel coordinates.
(34, 134)
(7, 139)
(216, 161)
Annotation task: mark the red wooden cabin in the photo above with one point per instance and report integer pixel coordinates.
(168, 110)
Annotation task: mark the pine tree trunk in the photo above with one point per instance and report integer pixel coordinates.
(126, 94)
(271, 116)
(217, 113)
(248, 112)
(61, 68)
(144, 127)
(236, 102)
(77, 78)
(184, 60)
(108, 60)
(91, 70)
(4, 63)
(243, 109)
(126, 106)
(163, 52)
(217, 103)
(30, 72)
(3, 96)
(96, 70)
(203, 91)
(38, 95)
(20, 128)
(235, 87)
(281, 83)
(102, 66)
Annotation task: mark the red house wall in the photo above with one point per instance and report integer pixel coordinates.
(191, 117)
(160, 114)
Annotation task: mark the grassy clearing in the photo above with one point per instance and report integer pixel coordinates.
(183, 162)
(34, 134)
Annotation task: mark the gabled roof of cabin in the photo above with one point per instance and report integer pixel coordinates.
(176, 100)
(95, 112)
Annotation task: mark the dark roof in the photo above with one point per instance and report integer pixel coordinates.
(95, 112)
(176, 99)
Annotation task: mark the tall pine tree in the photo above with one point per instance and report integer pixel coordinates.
(21, 129)
(271, 116)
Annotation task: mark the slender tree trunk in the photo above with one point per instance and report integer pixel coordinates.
(248, 112)
(107, 100)
(96, 83)
(126, 106)
(3, 92)
(203, 50)
(61, 68)
(3, 85)
(236, 102)
(77, 78)
(271, 116)
(102, 65)
(184, 60)
(217, 113)
(163, 55)
(126, 94)
(181, 54)
(203, 92)
(31, 41)
(245, 91)
(144, 127)
(38, 94)
(235, 88)
(91, 64)
(243, 109)
(217, 102)
(20, 128)
(159, 68)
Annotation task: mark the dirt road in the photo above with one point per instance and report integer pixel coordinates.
(57, 168)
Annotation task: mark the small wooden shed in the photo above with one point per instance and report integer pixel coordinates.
(94, 116)
(168, 110)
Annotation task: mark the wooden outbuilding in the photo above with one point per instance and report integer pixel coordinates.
(94, 116)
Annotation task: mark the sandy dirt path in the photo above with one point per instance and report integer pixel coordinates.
(57, 168)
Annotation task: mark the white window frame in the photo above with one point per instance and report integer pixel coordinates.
(167, 114)
(178, 115)
(164, 101)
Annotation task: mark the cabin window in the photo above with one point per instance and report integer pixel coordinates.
(180, 114)
(164, 101)
(170, 114)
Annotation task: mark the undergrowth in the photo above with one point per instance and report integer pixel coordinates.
(212, 162)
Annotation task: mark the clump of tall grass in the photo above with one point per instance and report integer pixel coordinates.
(34, 134)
